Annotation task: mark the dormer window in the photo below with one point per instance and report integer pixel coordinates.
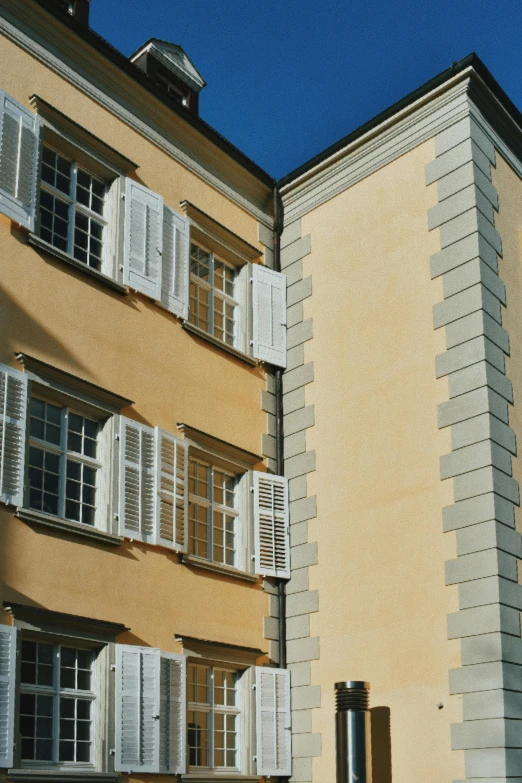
(168, 66)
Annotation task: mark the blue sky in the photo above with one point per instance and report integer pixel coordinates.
(287, 78)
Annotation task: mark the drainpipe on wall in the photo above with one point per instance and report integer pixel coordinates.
(278, 382)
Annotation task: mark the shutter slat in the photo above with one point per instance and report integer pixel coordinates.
(13, 414)
(137, 469)
(173, 720)
(19, 138)
(176, 253)
(273, 727)
(143, 239)
(171, 495)
(269, 310)
(7, 693)
(272, 529)
(136, 709)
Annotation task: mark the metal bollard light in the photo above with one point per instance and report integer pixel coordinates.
(353, 732)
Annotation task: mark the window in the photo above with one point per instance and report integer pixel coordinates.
(56, 703)
(72, 209)
(213, 514)
(212, 295)
(213, 717)
(64, 462)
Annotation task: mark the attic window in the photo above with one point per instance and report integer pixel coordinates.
(173, 90)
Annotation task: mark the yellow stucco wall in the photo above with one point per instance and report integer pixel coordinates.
(508, 224)
(134, 348)
(382, 599)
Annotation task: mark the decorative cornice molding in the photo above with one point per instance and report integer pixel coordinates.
(379, 147)
(42, 36)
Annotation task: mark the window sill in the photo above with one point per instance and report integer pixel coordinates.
(63, 776)
(66, 526)
(208, 565)
(35, 241)
(224, 347)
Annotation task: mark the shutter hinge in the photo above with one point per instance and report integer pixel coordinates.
(254, 686)
(252, 557)
(251, 489)
(113, 667)
(251, 342)
(116, 516)
(251, 279)
(112, 752)
(123, 196)
(116, 437)
(254, 758)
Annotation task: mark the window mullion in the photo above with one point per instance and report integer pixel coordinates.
(211, 514)
(211, 720)
(211, 296)
(63, 463)
(56, 707)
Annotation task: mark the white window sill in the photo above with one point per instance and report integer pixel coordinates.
(36, 775)
(209, 565)
(224, 347)
(66, 526)
(35, 241)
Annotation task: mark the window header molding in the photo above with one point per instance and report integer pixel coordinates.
(219, 652)
(219, 448)
(71, 385)
(79, 137)
(218, 238)
(35, 618)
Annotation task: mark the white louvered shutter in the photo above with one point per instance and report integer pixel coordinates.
(171, 492)
(269, 310)
(272, 528)
(137, 709)
(273, 722)
(7, 693)
(173, 713)
(19, 139)
(13, 414)
(143, 239)
(176, 259)
(137, 468)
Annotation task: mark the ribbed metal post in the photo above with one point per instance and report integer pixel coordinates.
(352, 732)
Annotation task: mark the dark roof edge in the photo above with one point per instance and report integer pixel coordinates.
(471, 60)
(117, 58)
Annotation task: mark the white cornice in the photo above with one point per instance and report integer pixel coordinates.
(399, 134)
(42, 36)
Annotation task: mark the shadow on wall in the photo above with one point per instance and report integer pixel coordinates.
(381, 745)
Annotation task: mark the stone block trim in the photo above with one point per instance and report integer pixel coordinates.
(299, 461)
(477, 411)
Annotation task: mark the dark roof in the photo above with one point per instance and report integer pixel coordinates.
(470, 60)
(122, 62)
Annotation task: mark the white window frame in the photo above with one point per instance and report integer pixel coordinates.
(112, 218)
(106, 491)
(97, 695)
(75, 206)
(212, 506)
(212, 709)
(214, 293)
(63, 452)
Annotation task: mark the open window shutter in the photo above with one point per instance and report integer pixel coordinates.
(171, 494)
(13, 414)
(272, 529)
(143, 239)
(173, 714)
(175, 271)
(19, 135)
(137, 709)
(269, 309)
(137, 462)
(273, 722)
(7, 693)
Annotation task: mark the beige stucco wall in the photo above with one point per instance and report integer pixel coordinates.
(381, 550)
(508, 224)
(131, 346)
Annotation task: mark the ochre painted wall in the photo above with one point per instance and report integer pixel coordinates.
(132, 347)
(382, 598)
